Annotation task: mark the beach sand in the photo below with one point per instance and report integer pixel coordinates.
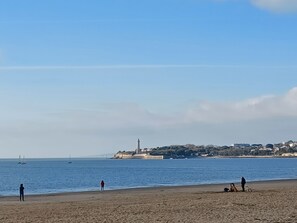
(270, 201)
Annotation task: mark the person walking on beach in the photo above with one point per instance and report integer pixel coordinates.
(243, 182)
(102, 185)
(22, 192)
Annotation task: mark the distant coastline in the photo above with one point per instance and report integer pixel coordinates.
(137, 154)
(189, 151)
(128, 155)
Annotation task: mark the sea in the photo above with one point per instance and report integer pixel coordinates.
(44, 176)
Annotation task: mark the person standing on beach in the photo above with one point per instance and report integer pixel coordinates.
(22, 192)
(243, 182)
(102, 185)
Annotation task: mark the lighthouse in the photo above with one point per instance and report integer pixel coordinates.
(138, 147)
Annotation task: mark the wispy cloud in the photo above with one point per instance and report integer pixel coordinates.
(132, 116)
(109, 117)
(259, 108)
(99, 67)
(133, 66)
(262, 119)
(263, 107)
(281, 6)
(90, 21)
(278, 6)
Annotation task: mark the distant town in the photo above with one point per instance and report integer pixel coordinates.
(284, 149)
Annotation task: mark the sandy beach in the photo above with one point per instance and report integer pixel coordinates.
(269, 201)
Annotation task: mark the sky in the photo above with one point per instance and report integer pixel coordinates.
(88, 78)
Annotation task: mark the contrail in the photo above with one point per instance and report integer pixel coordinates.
(140, 66)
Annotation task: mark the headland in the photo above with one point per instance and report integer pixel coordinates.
(236, 150)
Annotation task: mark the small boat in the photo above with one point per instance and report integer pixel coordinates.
(23, 161)
(20, 160)
(69, 161)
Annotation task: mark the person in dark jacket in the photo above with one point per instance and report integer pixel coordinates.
(22, 192)
(102, 185)
(243, 182)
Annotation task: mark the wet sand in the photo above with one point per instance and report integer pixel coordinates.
(269, 201)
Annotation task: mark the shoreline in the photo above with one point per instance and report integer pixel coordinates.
(269, 201)
(212, 187)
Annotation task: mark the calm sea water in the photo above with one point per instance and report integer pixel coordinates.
(51, 176)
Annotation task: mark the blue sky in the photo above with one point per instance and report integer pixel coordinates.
(91, 77)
